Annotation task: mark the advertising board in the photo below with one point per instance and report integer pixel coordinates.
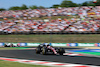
(72, 44)
(86, 44)
(33, 44)
(59, 44)
(1, 44)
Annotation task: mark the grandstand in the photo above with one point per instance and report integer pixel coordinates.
(85, 20)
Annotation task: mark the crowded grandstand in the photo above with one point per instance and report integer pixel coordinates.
(84, 19)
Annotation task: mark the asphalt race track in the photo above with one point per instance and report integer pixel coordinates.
(31, 55)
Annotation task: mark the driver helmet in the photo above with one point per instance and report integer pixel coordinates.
(48, 45)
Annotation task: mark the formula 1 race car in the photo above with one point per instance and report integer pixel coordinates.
(47, 49)
(10, 45)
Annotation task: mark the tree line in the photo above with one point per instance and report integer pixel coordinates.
(65, 3)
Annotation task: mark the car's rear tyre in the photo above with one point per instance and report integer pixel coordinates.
(37, 50)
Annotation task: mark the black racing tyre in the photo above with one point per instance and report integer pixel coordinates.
(38, 50)
(61, 51)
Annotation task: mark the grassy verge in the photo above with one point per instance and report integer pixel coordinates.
(16, 64)
(13, 48)
(67, 38)
(18, 48)
(7, 48)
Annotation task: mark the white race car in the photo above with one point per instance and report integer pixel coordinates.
(10, 45)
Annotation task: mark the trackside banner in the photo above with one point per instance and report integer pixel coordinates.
(86, 44)
(22, 44)
(57, 44)
(72, 44)
(33, 44)
(1, 44)
(97, 44)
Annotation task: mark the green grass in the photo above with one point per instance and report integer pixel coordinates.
(7, 48)
(11, 48)
(66, 38)
(16, 64)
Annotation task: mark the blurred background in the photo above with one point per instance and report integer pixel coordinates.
(65, 22)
